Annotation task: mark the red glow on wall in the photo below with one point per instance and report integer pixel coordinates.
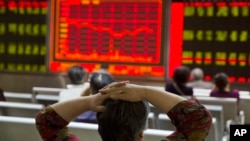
(176, 30)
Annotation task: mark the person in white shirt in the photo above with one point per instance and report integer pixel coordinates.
(197, 80)
(77, 75)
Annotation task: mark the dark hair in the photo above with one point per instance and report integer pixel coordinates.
(99, 80)
(122, 121)
(104, 66)
(76, 74)
(221, 81)
(181, 75)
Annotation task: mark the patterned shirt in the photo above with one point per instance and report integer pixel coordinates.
(192, 121)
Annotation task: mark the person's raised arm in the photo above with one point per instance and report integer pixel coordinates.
(70, 109)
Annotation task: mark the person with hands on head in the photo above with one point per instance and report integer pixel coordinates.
(192, 120)
(122, 114)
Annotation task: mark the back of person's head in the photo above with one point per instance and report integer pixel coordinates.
(76, 74)
(221, 81)
(99, 80)
(122, 121)
(197, 74)
(181, 75)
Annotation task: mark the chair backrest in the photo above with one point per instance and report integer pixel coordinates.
(217, 112)
(46, 99)
(18, 129)
(155, 115)
(213, 134)
(88, 132)
(85, 131)
(165, 122)
(45, 95)
(156, 134)
(244, 106)
(230, 106)
(244, 93)
(206, 92)
(46, 90)
(19, 109)
(201, 92)
(151, 121)
(18, 97)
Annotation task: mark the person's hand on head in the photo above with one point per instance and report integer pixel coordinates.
(96, 102)
(115, 84)
(127, 92)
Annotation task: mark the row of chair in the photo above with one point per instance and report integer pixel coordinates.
(23, 129)
(43, 95)
(206, 92)
(19, 109)
(162, 122)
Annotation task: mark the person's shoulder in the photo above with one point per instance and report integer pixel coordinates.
(169, 84)
(235, 91)
(190, 90)
(190, 83)
(214, 92)
(208, 85)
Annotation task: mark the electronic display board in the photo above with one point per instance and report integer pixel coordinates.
(125, 34)
(214, 36)
(23, 33)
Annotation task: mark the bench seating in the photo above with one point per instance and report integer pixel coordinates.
(230, 107)
(206, 92)
(45, 95)
(244, 106)
(19, 109)
(18, 97)
(23, 129)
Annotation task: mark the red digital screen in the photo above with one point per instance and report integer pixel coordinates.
(125, 34)
(213, 36)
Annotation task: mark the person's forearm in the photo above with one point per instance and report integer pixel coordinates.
(86, 92)
(161, 99)
(70, 109)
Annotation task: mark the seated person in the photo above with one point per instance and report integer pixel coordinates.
(77, 76)
(222, 87)
(97, 81)
(2, 97)
(122, 114)
(178, 84)
(197, 80)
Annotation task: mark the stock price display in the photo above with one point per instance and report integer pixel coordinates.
(23, 31)
(124, 34)
(212, 35)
